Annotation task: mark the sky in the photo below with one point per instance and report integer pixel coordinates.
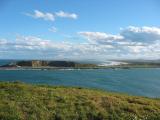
(80, 29)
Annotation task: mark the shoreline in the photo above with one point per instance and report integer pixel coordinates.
(74, 68)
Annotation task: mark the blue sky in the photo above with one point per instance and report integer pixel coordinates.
(77, 25)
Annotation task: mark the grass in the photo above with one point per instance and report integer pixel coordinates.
(20, 101)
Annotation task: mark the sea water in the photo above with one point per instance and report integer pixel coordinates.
(135, 81)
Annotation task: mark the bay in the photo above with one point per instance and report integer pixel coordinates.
(136, 81)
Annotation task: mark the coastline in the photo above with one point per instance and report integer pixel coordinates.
(75, 68)
(71, 65)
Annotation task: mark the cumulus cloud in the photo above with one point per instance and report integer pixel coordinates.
(51, 16)
(41, 48)
(46, 16)
(100, 46)
(141, 34)
(66, 15)
(131, 33)
(100, 37)
(132, 41)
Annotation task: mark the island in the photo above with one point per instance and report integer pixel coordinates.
(53, 65)
(46, 65)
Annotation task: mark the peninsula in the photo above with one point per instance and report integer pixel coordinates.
(44, 64)
(51, 65)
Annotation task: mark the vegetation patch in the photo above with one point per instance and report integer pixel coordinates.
(20, 101)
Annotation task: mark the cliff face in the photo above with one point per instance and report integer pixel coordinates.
(37, 63)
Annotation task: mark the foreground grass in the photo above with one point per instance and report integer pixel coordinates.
(19, 101)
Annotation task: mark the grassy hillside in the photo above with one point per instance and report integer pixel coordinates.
(19, 101)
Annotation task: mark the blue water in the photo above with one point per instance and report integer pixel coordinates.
(142, 82)
(4, 62)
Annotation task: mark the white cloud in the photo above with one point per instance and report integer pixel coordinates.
(46, 16)
(99, 37)
(36, 47)
(131, 42)
(131, 33)
(98, 45)
(141, 34)
(66, 15)
(153, 30)
(51, 16)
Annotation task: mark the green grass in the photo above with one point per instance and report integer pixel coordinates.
(19, 101)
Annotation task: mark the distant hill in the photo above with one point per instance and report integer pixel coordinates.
(71, 64)
(42, 63)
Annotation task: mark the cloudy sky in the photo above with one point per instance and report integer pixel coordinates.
(80, 29)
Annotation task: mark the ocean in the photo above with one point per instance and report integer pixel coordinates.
(136, 81)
